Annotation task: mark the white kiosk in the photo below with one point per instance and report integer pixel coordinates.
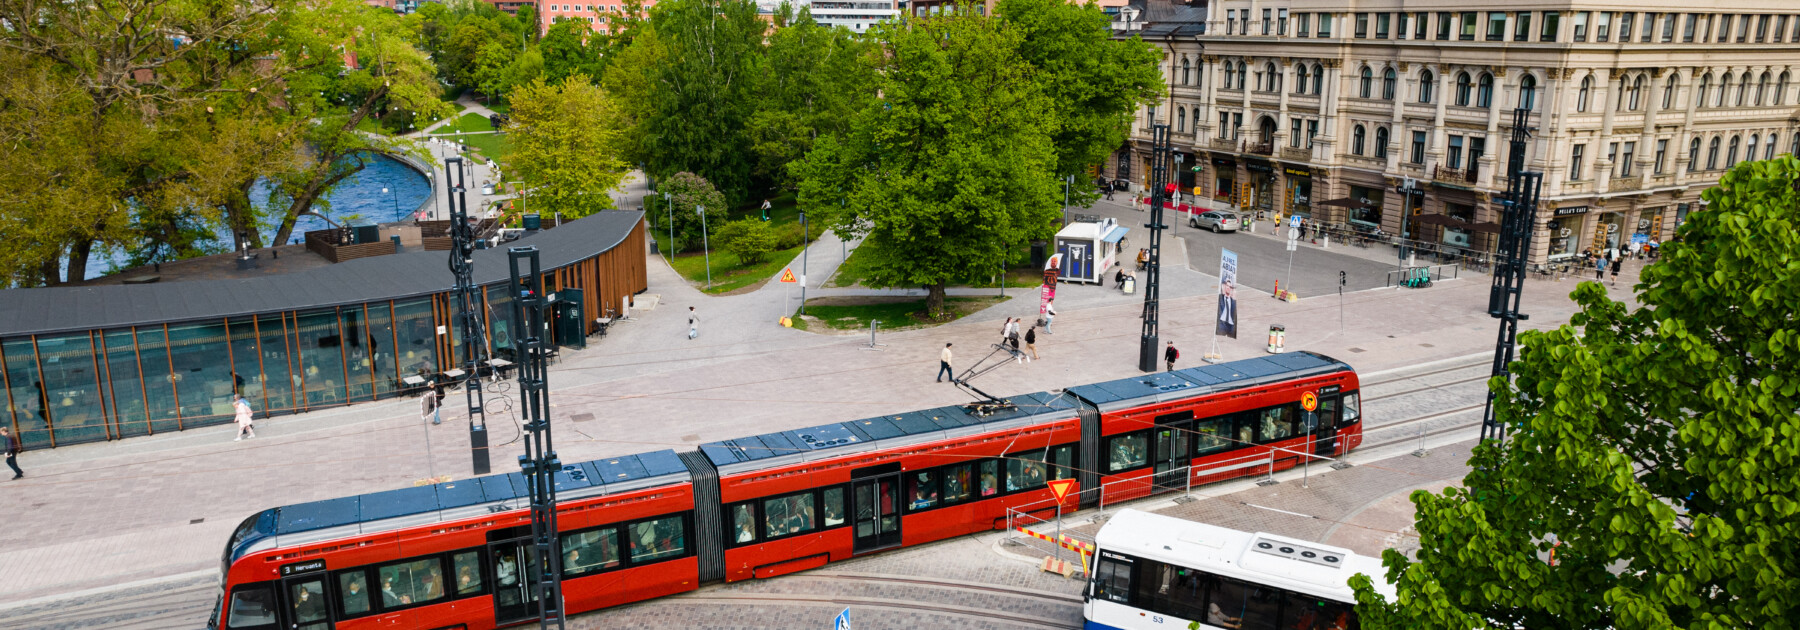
(1089, 249)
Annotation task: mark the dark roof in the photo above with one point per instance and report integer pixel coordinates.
(60, 309)
(1161, 386)
(1166, 12)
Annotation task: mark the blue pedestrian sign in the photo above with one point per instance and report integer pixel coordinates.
(842, 622)
(1294, 222)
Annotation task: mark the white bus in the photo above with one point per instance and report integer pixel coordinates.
(1155, 572)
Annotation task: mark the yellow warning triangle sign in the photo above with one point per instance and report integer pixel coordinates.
(1061, 487)
(787, 275)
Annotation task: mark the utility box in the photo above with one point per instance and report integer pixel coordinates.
(570, 323)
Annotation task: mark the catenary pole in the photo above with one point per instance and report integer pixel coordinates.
(539, 463)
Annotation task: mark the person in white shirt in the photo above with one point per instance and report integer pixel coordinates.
(944, 365)
(1049, 315)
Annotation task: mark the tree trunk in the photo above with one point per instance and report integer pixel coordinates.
(240, 215)
(78, 260)
(934, 300)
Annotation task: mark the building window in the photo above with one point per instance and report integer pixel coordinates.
(1318, 74)
(1602, 26)
(1181, 119)
(1781, 86)
(1266, 22)
(1496, 26)
(1468, 26)
(1794, 147)
(1731, 153)
(1294, 134)
(1645, 34)
(1225, 125)
(1426, 83)
(1552, 22)
(1626, 159)
(1581, 24)
(1418, 147)
(1312, 131)
(1662, 153)
(1723, 35)
(1187, 69)
(1300, 84)
(1463, 86)
(1712, 154)
(1325, 20)
(1780, 29)
(1762, 88)
(1522, 26)
(1581, 96)
(1694, 155)
(1400, 30)
(1356, 140)
(1668, 23)
(1629, 102)
(1237, 124)
(1381, 142)
(1303, 24)
(1456, 151)
(1687, 28)
(1743, 33)
(1769, 151)
(1743, 88)
(1421, 21)
(1668, 95)
(1366, 82)
(1750, 149)
(1443, 23)
(1528, 92)
(1382, 21)
(1724, 90)
(1388, 78)
(1575, 164)
(1700, 93)
(1281, 19)
(1484, 91)
(1625, 24)
(1230, 20)
(1274, 77)
(1362, 25)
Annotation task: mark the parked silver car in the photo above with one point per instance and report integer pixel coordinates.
(1215, 220)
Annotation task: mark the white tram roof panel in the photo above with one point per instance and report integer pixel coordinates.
(1262, 558)
(1165, 386)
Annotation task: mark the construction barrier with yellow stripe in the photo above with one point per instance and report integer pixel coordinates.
(1083, 549)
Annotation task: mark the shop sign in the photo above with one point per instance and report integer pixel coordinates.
(1571, 211)
(1297, 172)
(1224, 162)
(1259, 167)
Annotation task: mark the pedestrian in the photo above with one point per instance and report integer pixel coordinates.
(693, 324)
(1031, 342)
(1006, 329)
(1013, 339)
(245, 418)
(1615, 270)
(1170, 354)
(1302, 229)
(1049, 316)
(1119, 278)
(432, 403)
(12, 451)
(944, 365)
(1600, 268)
(1653, 246)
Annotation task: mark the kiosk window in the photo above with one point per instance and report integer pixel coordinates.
(252, 607)
(353, 589)
(921, 491)
(990, 478)
(1126, 452)
(791, 514)
(657, 539)
(587, 552)
(956, 483)
(408, 583)
(834, 507)
(468, 571)
(1025, 471)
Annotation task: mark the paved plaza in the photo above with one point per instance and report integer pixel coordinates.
(111, 516)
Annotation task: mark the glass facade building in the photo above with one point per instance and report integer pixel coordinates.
(144, 377)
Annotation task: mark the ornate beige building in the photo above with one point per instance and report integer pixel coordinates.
(1323, 107)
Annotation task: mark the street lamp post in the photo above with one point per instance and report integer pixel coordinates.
(671, 199)
(705, 248)
(395, 195)
(805, 237)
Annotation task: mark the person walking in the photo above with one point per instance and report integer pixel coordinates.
(1031, 342)
(1600, 268)
(1049, 316)
(1170, 354)
(944, 365)
(436, 394)
(246, 420)
(1006, 330)
(693, 324)
(1616, 265)
(12, 451)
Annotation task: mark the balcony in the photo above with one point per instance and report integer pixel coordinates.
(1260, 148)
(1225, 144)
(1619, 184)
(1298, 154)
(1458, 176)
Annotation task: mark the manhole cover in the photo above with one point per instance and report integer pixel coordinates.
(582, 417)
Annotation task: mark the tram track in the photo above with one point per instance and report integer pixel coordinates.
(155, 608)
(743, 594)
(960, 612)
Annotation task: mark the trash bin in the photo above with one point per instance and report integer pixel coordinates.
(1277, 338)
(1130, 285)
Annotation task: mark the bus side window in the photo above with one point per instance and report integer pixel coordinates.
(1113, 577)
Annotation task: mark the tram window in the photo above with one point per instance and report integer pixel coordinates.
(468, 571)
(787, 515)
(743, 519)
(1212, 435)
(990, 478)
(252, 607)
(834, 506)
(1352, 407)
(1246, 428)
(353, 590)
(921, 491)
(1243, 606)
(657, 539)
(1276, 423)
(956, 483)
(586, 552)
(414, 582)
(1024, 471)
(1112, 579)
(1126, 452)
(1063, 463)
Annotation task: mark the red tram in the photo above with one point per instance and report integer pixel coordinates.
(458, 554)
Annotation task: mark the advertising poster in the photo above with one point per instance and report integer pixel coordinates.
(1227, 324)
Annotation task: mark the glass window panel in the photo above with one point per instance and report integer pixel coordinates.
(202, 363)
(30, 400)
(500, 323)
(153, 359)
(408, 583)
(1235, 604)
(990, 478)
(1174, 590)
(1246, 427)
(1276, 423)
(1113, 579)
(321, 357)
(1063, 460)
(1024, 470)
(743, 523)
(278, 379)
(382, 366)
(588, 552)
(1212, 435)
(246, 364)
(658, 539)
(417, 332)
(353, 589)
(252, 607)
(126, 387)
(921, 491)
(357, 359)
(834, 507)
(76, 412)
(1127, 452)
(956, 483)
(308, 600)
(1305, 612)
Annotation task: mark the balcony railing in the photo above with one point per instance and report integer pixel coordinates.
(1455, 175)
(1259, 148)
(1296, 153)
(1224, 144)
(1626, 183)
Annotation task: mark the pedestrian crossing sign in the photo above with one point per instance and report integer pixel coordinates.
(787, 275)
(1061, 487)
(842, 622)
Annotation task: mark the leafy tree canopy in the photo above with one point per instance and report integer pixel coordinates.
(1652, 449)
(751, 239)
(565, 140)
(684, 193)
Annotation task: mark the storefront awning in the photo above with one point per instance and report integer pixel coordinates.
(1115, 234)
(1449, 221)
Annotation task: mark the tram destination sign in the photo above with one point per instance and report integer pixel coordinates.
(1330, 389)
(302, 567)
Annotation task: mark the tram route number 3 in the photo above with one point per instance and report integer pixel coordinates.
(1309, 401)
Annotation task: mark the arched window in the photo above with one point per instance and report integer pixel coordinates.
(1186, 71)
(1581, 96)
(1631, 99)
(1794, 147)
(1463, 86)
(1781, 89)
(1367, 81)
(1484, 91)
(1181, 119)
(1769, 150)
(1426, 83)
(1712, 154)
(1356, 140)
(1274, 77)
(1381, 142)
(1750, 149)
(1528, 92)
(1318, 79)
(1300, 84)
(1701, 92)
(1762, 88)
(1731, 153)
(1743, 88)
(1387, 84)
(1668, 100)
(1724, 90)
(1694, 155)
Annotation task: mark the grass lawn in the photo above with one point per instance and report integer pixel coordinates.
(490, 145)
(854, 313)
(852, 273)
(727, 273)
(500, 107)
(465, 123)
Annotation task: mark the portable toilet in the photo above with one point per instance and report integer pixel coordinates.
(1089, 249)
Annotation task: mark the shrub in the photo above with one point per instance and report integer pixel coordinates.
(750, 239)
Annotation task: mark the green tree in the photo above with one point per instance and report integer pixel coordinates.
(815, 80)
(686, 191)
(570, 48)
(704, 91)
(953, 167)
(1096, 82)
(565, 139)
(493, 71)
(750, 239)
(1652, 449)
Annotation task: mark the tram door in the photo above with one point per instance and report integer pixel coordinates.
(516, 574)
(877, 512)
(1170, 454)
(306, 607)
(1325, 435)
